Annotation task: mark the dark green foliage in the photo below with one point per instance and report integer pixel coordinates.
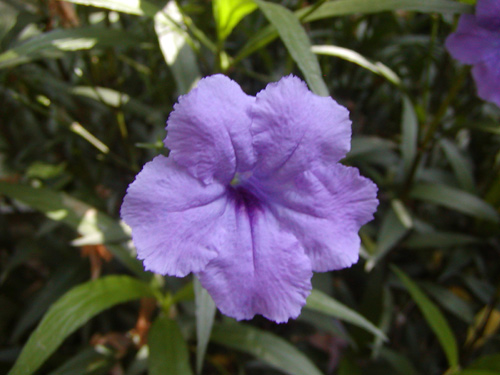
(85, 94)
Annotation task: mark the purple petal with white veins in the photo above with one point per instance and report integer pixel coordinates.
(173, 217)
(487, 77)
(261, 268)
(325, 209)
(488, 13)
(209, 130)
(294, 129)
(472, 43)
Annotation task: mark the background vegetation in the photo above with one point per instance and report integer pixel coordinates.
(86, 90)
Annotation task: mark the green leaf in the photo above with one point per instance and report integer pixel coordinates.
(73, 310)
(55, 43)
(228, 13)
(80, 364)
(321, 302)
(345, 7)
(434, 318)
(361, 145)
(392, 231)
(489, 362)
(409, 132)
(398, 361)
(451, 302)
(137, 7)
(356, 58)
(439, 240)
(205, 314)
(455, 199)
(297, 42)
(478, 372)
(461, 166)
(173, 38)
(168, 351)
(86, 220)
(266, 346)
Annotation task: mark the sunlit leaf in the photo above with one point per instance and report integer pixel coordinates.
(355, 57)
(55, 43)
(228, 13)
(73, 310)
(173, 38)
(137, 7)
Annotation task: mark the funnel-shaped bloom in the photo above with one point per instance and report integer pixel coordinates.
(477, 42)
(252, 198)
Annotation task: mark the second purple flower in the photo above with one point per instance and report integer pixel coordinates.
(252, 198)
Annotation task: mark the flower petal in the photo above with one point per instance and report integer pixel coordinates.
(261, 269)
(488, 13)
(293, 129)
(487, 77)
(471, 43)
(173, 216)
(209, 130)
(325, 209)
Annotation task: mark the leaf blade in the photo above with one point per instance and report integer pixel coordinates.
(266, 346)
(168, 351)
(73, 310)
(321, 302)
(297, 43)
(433, 316)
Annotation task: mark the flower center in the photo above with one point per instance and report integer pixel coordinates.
(240, 178)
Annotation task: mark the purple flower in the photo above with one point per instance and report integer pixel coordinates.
(252, 198)
(477, 41)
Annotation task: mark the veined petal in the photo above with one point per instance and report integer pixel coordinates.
(261, 269)
(471, 43)
(209, 130)
(487, 77)
(488, 13)
(325, 208)
(173, 217)
(293, 129)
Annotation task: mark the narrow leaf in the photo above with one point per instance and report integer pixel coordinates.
(297, 42)
(345, 7)
(178, 54)
(461, 166)
(391, 233)
(356, 58)
(266, 346)
(205, 314)
(54, 43)
(137, 7)
(73, 310)
(321, 302)
(85, 219)
(455, 199)
(168, 351)
(409, 132)
(434, 318)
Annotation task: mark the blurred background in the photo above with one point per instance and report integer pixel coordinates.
(86, 87)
